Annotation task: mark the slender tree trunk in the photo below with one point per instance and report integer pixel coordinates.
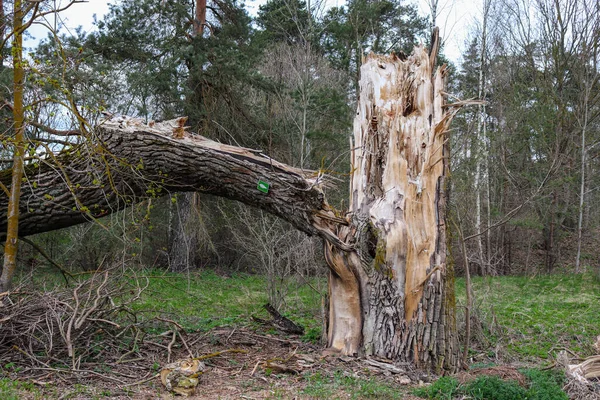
(581, 197)
(183, 246)
(488, 209)
(468, 292)
(586, 100)
(2, 30)
(480, 145)
(12, 221)
(200, 17)
(433, 9)
(549, 242)
(477, 186)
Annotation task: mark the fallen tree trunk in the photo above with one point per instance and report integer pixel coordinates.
(128, 161)
(391, 289)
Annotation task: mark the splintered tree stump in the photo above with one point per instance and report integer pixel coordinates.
(393, 296)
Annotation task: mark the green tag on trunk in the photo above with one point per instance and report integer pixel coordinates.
(263, 186)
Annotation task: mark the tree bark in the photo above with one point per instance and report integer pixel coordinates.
(391, 288)
(128, 161)
(11, 228)
(200, 17)
(183, 237)
(397, 285)
(481, 151)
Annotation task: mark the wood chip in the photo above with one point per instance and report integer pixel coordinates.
(385, 366)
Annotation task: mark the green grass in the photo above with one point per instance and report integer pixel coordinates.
(9, 390)
(535, 317)
(540, 315)
(541, 385)
(205, 300)
(444, 388)
(321, 386)
(13, 390)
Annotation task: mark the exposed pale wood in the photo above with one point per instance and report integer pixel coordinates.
(397, 206)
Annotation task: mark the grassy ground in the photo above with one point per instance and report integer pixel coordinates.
(523, 320)
(529, 318)
(205, 300)
(532, 318)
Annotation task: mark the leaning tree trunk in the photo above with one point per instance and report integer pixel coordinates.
(391, 287)
(393, 296)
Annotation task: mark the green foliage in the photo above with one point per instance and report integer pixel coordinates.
(9, 389)
(170, 70)
(205, 300)
(313, 335)
(444, 388)
(545, 385)
(322, 386)
(541, 386)
(494, 388)
(363, 26)
(14, 390)
(284, 20)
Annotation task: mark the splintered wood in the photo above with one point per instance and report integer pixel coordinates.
(404, 301)
(398, 164)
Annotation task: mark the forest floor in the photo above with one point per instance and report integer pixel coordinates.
(520, 324)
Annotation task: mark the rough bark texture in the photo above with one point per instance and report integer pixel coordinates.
(183, 235)
(128, 161)
(11, 229)
(398, 208)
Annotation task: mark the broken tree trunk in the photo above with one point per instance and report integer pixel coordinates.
(391, 289)
(393, 296)
(128, 161)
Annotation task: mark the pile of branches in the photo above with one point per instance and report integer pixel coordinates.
(70, 326)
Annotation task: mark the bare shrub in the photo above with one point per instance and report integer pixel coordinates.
(271, 247)
(39, 325)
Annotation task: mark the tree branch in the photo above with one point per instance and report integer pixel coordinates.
(128, 162)
(63, 271)
(56, 132)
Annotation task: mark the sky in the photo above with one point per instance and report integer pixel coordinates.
(80, 14)
(455, 19)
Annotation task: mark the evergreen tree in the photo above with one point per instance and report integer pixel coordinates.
(364, 26)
